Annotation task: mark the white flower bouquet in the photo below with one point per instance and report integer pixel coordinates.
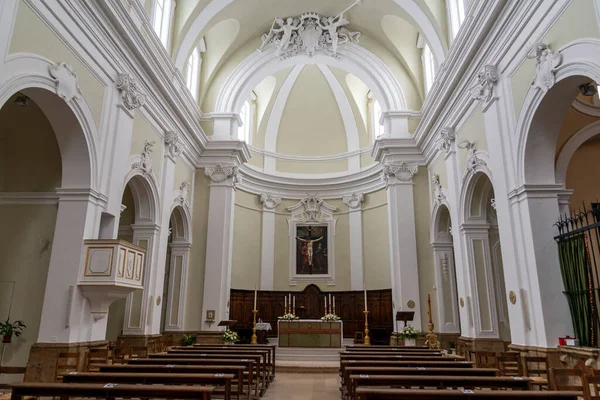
(408, 332)
(330, 317)
(230, 336)
(288, 317)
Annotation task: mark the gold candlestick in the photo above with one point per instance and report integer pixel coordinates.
(253, 340)
(366, 339)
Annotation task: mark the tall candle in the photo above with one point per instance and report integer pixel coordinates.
(330, 304)
(255, 293)
(290, 302)
(285, 304)
(366, 300)
(334, 304)
(294, 308)
(325, 304)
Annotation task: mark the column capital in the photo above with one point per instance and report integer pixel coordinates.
(354, 201)
(486, 81)
(131, 96)
(446, 139)
(401, 173)
(269, 202)
(226, 175)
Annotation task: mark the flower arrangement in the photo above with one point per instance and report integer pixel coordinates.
(230, 336)
(408, 332)
(330, 317)
(288, 317)
(188, 340)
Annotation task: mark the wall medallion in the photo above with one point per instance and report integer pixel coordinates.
(512, 296)
(410, 304)
(462, 302)
(158, 299)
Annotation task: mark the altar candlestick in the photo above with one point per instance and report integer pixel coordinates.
(294, 306)
(285, 304)
(255, 293)
(366, 300)
(330, 303)
(334, 304)
(290, 302)
(325, 305)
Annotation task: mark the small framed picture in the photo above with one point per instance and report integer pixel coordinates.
(210, 315)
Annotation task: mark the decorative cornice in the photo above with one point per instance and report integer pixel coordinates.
(546, 63)
(269, 202)
(145, 162)
(220, 173)
(354, 201)
(173, 143)
(402, 172)
(446, 139)
(131, 95)
(66, 81)
(486, 79)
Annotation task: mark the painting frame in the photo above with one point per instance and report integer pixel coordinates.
(210, 315)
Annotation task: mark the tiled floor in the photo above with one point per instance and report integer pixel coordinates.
(297, 386)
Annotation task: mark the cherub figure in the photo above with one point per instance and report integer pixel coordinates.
(332, 25)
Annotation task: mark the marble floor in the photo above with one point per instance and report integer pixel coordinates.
(305, 386)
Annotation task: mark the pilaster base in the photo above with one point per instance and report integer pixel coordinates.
(466, 345)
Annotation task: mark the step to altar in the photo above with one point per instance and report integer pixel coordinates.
(302, 359)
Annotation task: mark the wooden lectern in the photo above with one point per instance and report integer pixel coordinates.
(404, 316)
(228, 323)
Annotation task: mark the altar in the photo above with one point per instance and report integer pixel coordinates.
(310, 333)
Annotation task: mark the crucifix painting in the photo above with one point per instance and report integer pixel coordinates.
(311, 250)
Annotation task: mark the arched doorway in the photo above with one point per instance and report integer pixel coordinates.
(445, 274)
(480, 230)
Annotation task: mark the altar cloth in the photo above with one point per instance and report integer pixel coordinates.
(310, 333)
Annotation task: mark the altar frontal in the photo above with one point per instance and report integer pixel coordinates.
(310, 333)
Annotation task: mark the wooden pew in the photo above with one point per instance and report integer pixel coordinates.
(368, 393)
(248, 363)
(271, 347)
(265, 362)
(346, 386)
(66, 390)
(389, 356)
(421, 350)
(259, 358)
(237, 370)
(438, 382)
(218, 379)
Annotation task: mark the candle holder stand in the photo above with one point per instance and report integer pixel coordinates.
(366, 339)
(253, 339)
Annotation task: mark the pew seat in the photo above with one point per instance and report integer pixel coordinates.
(369, 393)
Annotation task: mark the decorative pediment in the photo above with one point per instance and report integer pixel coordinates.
(311, 209)
(546, 63)
(486, 80)
(309, 33)
(66, 81)
(131, 95)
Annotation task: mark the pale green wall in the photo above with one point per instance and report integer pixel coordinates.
(314, 167)
(376, 251)
(24, 259)
(247, 235)
(264, 110)
(438, 166)
(182, 173)
(425, 260)
(474, 131)
(142, 132)
(195, 283)
(31, 35)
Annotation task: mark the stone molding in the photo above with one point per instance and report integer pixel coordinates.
(269, 202)
(220, 173)
(145, 162)
(438, 192)
(446, 139)
(184, 190)
(546, 62)
(354, 201)
(131, 95)
(473, 160)
(66, 81)
(486, 80)
(402, 172)
(174, 144)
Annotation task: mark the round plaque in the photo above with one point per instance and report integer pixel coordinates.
(158, 301)
(512, 296)
(462, 302)
(410, 304)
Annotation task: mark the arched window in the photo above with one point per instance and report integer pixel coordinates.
(377, 127)
(244, 130)
(162, 19)
(456, 14)
(192, 72)
(428, 68)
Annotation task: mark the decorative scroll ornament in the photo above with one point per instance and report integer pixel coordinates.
(354, 201)
(184, 191)
(473, 160)
(221, 173)
(130, 92)
(445, 267)
(269, 202)
(403, 172)
(493, 203)
(486, 79)
(312, 209)
(174, 145)
(309, 32)
(66, 81)
(145, 163)
(546, 63)
(447, 137)
(438, 191)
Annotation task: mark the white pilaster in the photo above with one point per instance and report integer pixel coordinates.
(268, 240)
(403, 242)
(446, 294)
(219, 244)
(180, 253)
(354, 203)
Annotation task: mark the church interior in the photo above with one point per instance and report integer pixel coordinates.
(365, 199)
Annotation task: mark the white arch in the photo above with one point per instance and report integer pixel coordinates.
(73, 122)
(185, 223)
(569, 149)
(146, 197)
(436, 214)
(355, 59)
(215, 6)
(536, 152)
(469, 182)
